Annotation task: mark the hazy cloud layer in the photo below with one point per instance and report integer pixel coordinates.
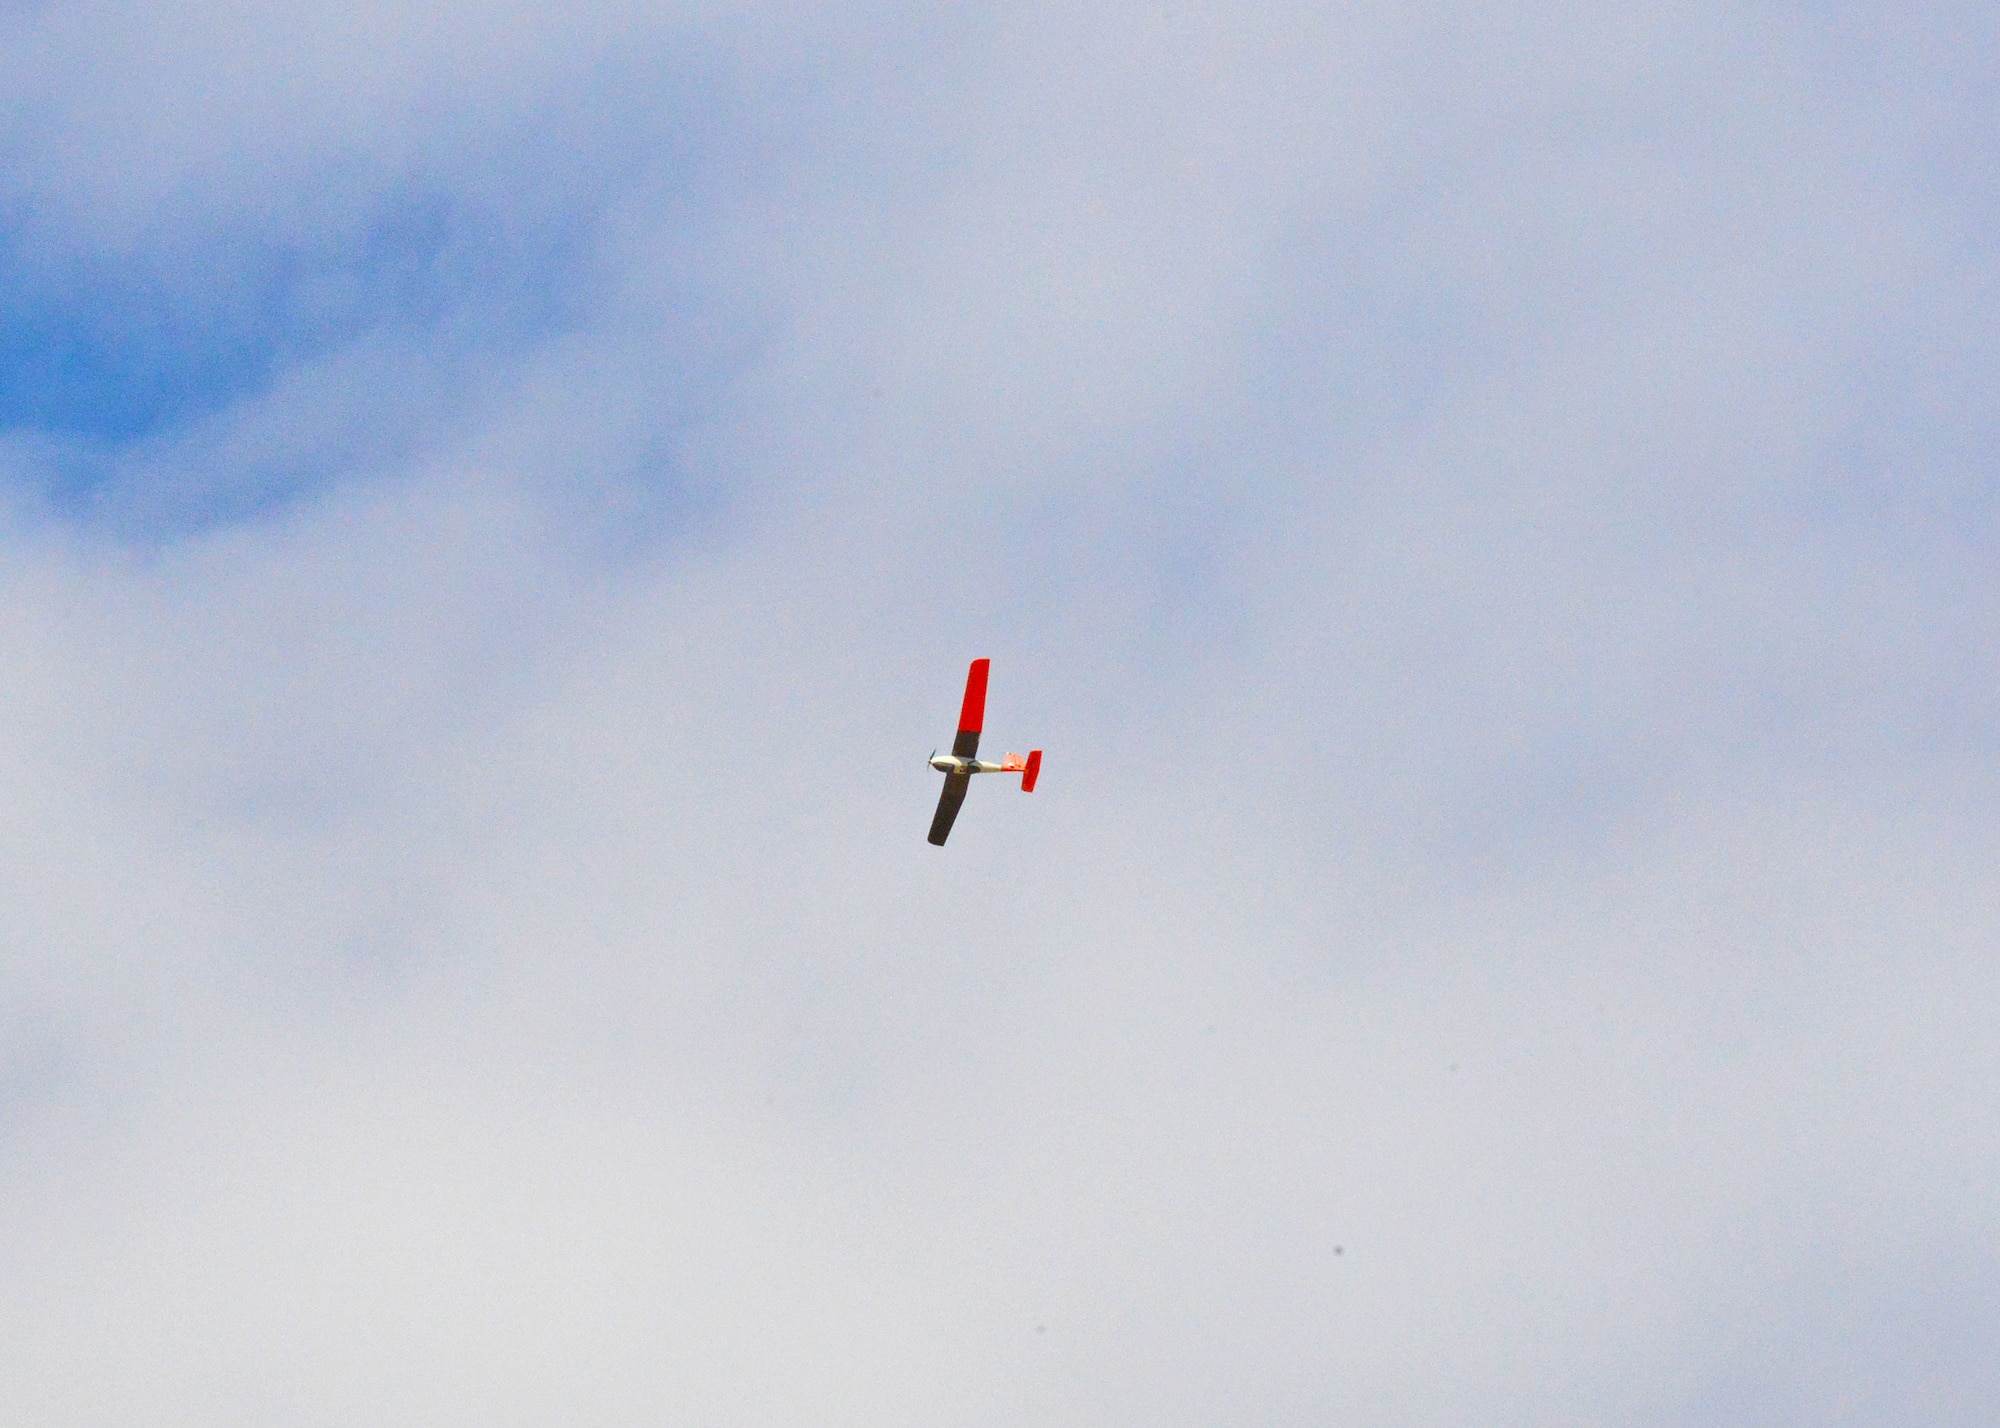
(1489, 510)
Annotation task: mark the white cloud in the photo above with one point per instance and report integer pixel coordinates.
(1509, 904)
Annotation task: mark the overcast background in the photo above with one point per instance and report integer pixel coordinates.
(1490, 509)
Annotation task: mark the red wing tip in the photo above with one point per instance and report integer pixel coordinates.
(972, 713)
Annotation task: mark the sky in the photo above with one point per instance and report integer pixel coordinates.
(1489, 509)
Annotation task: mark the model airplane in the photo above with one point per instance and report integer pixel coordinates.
(959, 766)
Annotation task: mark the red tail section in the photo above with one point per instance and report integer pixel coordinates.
(1032, 772)
(972, 715)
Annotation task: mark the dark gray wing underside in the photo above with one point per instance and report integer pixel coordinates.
(948, 802)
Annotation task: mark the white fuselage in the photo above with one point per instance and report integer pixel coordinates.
(947, 763)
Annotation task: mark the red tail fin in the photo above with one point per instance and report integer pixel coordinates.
(1032, 772)
(972, 714)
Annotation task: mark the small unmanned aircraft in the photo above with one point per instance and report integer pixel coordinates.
(959, 766)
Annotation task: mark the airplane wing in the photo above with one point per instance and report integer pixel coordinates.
(971, 717)
(955, 786)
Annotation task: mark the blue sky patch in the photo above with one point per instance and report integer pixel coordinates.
(102, 353)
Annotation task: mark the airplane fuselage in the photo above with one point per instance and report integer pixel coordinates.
(949, 763)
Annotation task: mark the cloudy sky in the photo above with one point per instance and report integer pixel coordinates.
(1490, 508)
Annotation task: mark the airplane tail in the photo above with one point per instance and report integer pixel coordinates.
(1032, 772)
